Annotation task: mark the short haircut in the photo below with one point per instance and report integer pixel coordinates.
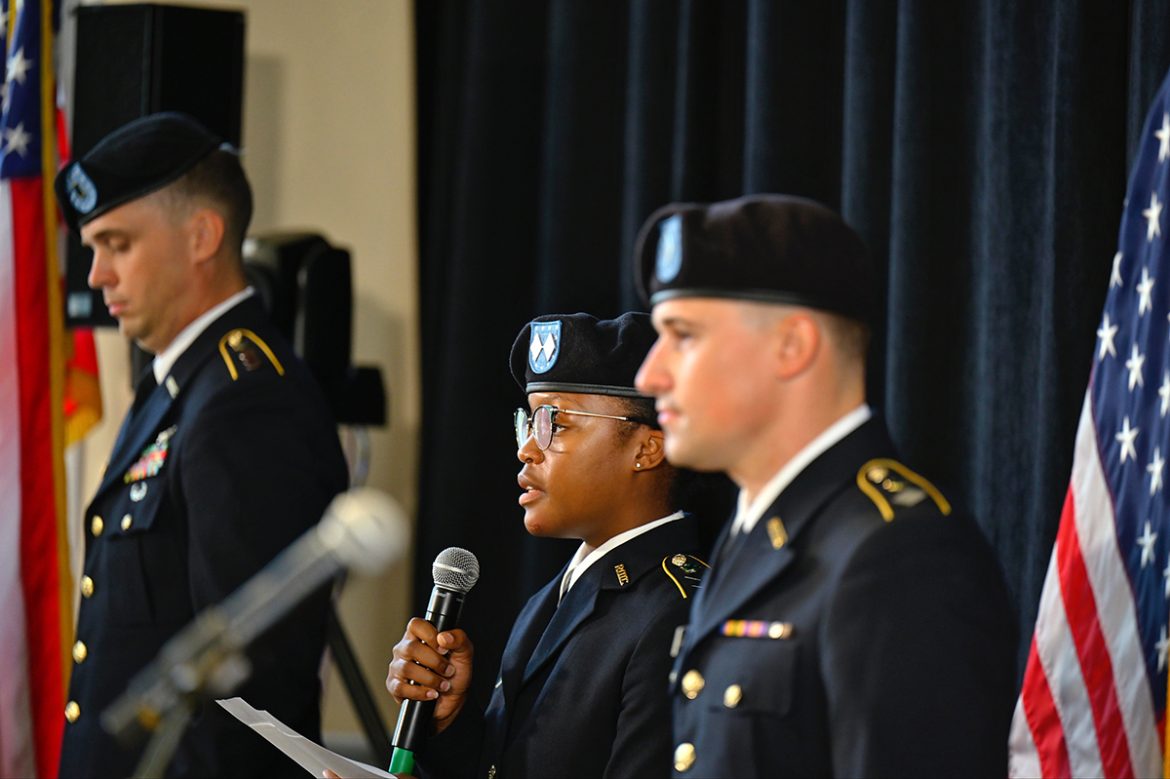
(851, 336)
(641, 410)
(219, 179)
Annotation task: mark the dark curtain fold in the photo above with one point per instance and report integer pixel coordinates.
(980, 148)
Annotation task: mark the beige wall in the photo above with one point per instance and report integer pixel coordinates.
(329, 145)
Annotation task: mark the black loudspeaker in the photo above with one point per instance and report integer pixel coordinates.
(136, 59)
(306, 285)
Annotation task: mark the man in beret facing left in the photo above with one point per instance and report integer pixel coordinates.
(854, 622)
(228, 454)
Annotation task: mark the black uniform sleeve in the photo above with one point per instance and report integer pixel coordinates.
(456, 751)
(920, 645)
(642, 745)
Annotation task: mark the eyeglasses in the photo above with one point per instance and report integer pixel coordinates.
(543, 423)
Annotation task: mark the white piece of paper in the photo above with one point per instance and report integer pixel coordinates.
(309, 755)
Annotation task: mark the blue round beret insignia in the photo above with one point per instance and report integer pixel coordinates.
(669, 260)
(545, 346)
(82, 192)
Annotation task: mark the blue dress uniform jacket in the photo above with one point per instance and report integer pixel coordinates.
(862, 628)
(582, 686)
(229, 460)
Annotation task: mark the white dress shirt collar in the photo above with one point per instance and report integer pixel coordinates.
(587, 555)
(746, 516)
(165, 360)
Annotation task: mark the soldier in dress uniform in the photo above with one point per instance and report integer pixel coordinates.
(228, 454)
(856, 621)
(581, 690)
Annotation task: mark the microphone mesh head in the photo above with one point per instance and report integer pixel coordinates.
(455, 569)
(364, 528)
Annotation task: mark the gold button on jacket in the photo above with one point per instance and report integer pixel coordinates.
(692, 684)
(72, 711)
(684, 756)
(96, 525)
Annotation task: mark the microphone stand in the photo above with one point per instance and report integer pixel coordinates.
(209, 664)
(156, 758)
(221, 670)
(206, 659)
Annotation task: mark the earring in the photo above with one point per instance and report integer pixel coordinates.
(637, 465)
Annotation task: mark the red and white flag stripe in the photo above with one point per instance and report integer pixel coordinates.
(35, 586)
(16, 737)
(1085, 707)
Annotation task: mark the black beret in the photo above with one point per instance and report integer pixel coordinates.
(134, 160)
(767, 247)
(581, 353)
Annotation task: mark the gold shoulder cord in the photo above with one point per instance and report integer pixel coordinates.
(235, 339)
(879, 500)
(682, 591)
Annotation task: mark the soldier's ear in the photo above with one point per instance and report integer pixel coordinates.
(207, 230)
(798, 339)
(651, 451)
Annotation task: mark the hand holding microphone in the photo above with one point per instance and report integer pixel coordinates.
(431, 670)
(432, 666)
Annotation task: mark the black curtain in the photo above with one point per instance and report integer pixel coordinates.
(981, 149)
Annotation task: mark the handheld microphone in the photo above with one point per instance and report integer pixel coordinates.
(362, 528)
(455, 571)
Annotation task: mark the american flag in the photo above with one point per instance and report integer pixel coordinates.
(1093, 699)
(35, 587)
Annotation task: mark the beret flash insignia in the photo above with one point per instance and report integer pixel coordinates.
(669, 259)
(82, 192)
(545, 346)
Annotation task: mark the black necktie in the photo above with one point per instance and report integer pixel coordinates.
(732, 544)
(142, 390)
(146, 385)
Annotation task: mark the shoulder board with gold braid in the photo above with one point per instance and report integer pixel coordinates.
(681, 568)
(243, 346)
(889, 483)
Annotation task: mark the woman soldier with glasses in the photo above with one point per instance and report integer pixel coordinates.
(582, 686)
